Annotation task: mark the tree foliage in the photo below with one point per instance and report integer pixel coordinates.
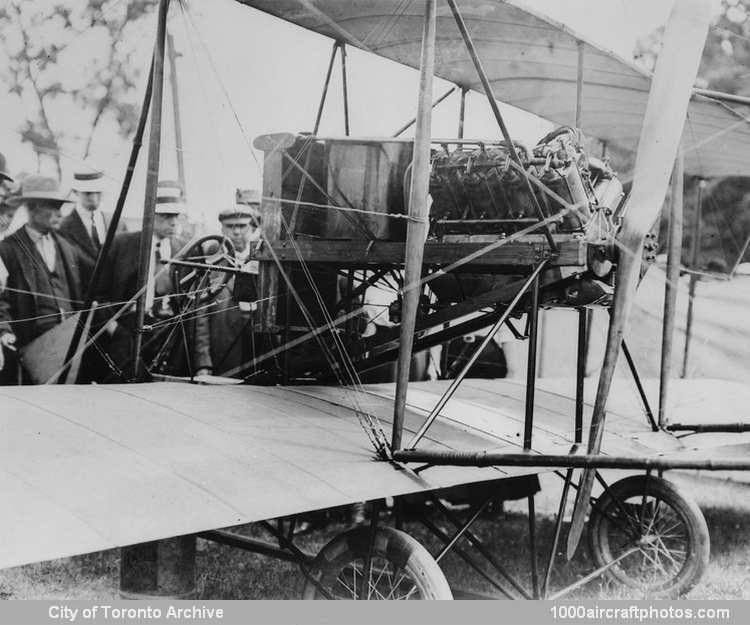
(725, 66)
(49, 73)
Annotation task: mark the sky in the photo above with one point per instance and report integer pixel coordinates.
(242, 73)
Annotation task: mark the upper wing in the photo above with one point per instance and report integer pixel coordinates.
(531, 62)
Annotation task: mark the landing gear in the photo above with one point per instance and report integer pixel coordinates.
(659, 536)
(397, 567)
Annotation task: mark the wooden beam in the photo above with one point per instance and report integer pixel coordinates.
(694, 255)
(152, 180)
(172, 56)
(462, 113)
(674, 250)
(270, 227)
(326, 84)
(579, 85)
(419, 206)
(520, 253)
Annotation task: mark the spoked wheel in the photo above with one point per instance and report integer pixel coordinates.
(201, 284)
(399, 568)
(659, 536)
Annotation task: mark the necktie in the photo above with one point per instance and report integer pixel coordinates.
(48, 251)
(95, 233)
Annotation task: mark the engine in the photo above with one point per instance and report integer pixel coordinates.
(479, 189)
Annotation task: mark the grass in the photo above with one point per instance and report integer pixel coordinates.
(225, 573)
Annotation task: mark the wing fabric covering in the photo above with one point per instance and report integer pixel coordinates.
(531, 62)
(89, 468)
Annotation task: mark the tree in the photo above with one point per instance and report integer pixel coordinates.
(36, 37)
(725, 66)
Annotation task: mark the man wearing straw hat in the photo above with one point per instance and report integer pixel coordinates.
(86, 225)
(224, 338)
(120, 279)
(44, 271)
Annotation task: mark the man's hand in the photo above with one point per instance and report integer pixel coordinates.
(7, 341)
(203, 371)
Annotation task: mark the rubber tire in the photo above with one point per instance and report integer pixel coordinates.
(695, 525)
(391, 544)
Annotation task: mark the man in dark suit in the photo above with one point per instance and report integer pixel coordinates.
(224, 337)
(43, 283)
(7, 210)
(120, 284)
(86, 225)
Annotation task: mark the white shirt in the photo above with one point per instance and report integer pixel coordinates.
(98, 218)
(242, 255)
(165, 253)
(45, 245)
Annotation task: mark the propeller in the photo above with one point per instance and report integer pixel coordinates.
(663, 123)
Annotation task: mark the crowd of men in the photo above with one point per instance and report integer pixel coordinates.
(46, 271)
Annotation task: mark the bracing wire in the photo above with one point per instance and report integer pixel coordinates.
(367, 420)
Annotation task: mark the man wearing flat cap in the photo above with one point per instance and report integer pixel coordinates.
(224, 338)
(120, 278)
(44, 271)
(86, 225)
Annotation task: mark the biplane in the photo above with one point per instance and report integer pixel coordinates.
(468, 235)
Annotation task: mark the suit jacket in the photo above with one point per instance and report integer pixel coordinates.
(77, 233)
(19, 254)
(119, 284)
(223, 336)
(120, 276)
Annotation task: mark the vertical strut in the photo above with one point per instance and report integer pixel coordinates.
(671, 286)
(532, 548)
(580, 371)
(531, 364)
(694, 255)
(327, 82)
(152, 178)
(416, 231)
(462, 113)
(172, 56)
(342, 46)
(579, 84)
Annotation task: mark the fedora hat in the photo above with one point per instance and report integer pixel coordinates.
(39, 188)
(4, 175)
(169, 198)
(88, 178)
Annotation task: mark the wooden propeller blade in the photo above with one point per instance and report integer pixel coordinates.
(663, 123)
